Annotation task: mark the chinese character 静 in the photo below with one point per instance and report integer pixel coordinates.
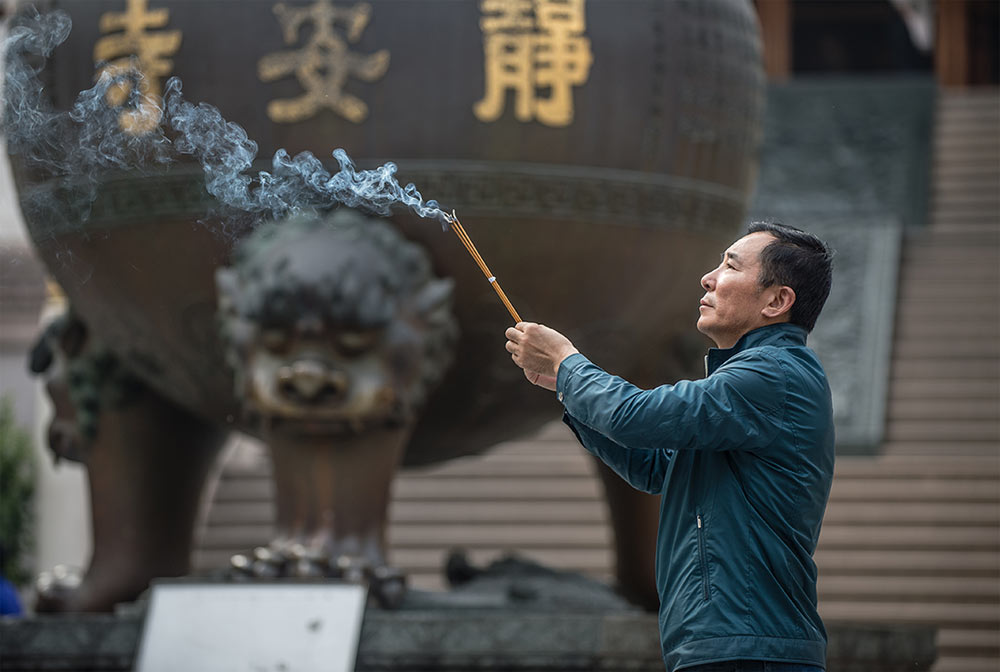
(538, 50)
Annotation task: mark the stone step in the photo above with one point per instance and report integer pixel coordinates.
(947, 274)
(958, 167)
(539, 489)
(964, 134)
(951, 153)
(942, 267)
(962, 246)
(930, 613)
(954, 349)
(977, 114)
(961, 97)
(930, 430)
(966, 131)
(945, 409)
(888, 490)
(938, 254)
(943, 335)
(944, 367)
(907, 562)
(958, 212)
(948, 157)
(984, 199)
(578, 465)
(953, 313)
(938, 466)
(966, 664)
(978, 183)
(926, 284)
(405, 512)
(975, 121)
(931, 236)
(977, 301)
(913, 513)
(960, 589)
(960, 226)
(914, 324)
(544, 489)
(480, 535)
(595, 513)
(938, 388)
(966, 125)
(919, 448)
(983, 100)
(961, 191)
(981, 104)
(911, 537)
(968, 642)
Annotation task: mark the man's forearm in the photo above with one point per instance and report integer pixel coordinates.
(642, 469)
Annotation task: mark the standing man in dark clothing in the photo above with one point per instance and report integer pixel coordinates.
(743, 458)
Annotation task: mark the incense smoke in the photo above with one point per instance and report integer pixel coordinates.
(79, 143)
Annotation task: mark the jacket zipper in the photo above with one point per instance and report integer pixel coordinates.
(702, 558)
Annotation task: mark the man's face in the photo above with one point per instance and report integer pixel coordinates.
(734, 301)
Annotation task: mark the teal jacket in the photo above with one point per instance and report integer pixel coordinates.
(743, 460)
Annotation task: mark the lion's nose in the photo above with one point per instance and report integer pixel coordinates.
(310, 380)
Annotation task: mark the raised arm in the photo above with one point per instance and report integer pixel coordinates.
(738, 407)
(644, 470)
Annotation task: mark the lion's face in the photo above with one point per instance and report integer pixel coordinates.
(328, 381)
(335, 326)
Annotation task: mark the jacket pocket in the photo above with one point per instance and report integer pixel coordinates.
(703, 558)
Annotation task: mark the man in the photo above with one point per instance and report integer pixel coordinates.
(743, 458)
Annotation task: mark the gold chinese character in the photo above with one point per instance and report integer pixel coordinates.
(323, 65)
(132, 47)
(535, 48)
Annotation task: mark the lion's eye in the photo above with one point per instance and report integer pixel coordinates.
(275, 340)
(354, 343)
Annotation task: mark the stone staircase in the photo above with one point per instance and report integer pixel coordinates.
(910, 536)
(914, 535)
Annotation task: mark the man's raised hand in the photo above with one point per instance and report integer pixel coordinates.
(539, 350)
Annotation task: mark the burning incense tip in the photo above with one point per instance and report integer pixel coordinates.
(459, 230)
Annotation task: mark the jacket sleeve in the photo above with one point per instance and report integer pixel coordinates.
(740, 406)
(644, 470)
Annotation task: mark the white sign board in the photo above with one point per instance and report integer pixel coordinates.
(269, 627)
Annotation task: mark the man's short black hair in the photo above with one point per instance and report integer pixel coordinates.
(798, 260)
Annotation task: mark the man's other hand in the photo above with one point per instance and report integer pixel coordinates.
(538, 350)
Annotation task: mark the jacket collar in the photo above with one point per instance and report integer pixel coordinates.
(782, 334)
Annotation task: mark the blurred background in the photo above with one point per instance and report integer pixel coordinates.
(881, 133)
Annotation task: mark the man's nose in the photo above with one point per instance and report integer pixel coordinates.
(708, 281)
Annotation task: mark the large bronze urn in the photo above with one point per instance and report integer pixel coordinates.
(599, 152)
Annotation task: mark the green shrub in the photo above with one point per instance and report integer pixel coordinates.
(17, 485)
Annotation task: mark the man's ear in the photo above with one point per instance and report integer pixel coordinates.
(781, 302)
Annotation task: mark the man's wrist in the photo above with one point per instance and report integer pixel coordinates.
(569, 352)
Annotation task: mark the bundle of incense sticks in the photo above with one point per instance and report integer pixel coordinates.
(459, 230)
